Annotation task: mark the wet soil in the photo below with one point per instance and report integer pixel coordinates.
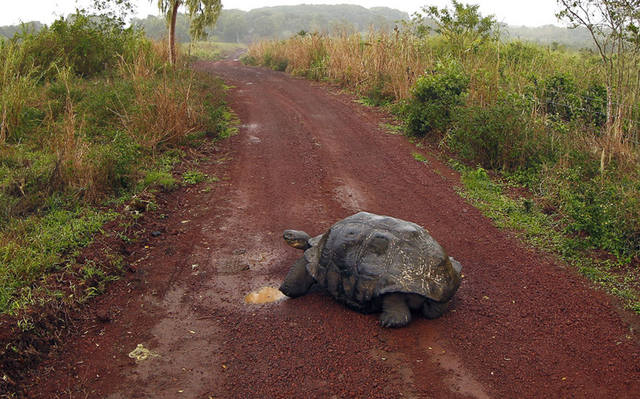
(521, 325)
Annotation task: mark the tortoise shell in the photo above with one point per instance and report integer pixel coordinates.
(364, 256)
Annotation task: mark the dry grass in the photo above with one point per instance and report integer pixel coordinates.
(170, 101)
(387, 62)
(173, 118)
(74, 168)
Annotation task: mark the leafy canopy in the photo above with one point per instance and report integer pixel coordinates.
(463, 26)
(202, 13)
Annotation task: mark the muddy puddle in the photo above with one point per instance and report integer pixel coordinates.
(264, 295)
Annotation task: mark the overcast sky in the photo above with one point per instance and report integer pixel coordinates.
(513, 12)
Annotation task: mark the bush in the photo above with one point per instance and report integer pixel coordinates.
(600, 211)
(89, 45)
(561, 98)
(433, 99)
(18, 94)
(594, 105)
(275, 62)
(376, 94)
(501, 136)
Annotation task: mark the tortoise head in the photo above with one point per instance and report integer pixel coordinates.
(297, 239)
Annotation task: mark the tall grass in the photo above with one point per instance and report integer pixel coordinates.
(388, 63)
(17, 89)
(168, 95)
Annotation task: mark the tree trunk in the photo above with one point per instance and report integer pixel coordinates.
(172, 32)
(609, 123)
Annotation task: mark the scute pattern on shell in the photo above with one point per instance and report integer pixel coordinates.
(365, 256)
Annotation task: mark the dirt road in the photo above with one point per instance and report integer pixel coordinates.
(521, 325)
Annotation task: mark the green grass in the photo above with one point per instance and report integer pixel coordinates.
(228, 124)
(545, 233)
(193, 177)
(33, 247)
(160, 179)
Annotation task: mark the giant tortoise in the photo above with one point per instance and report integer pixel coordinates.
(374, 263)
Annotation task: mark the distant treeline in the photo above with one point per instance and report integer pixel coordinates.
(550, 35)
(284, 21)
(11, 30)
(281, 22)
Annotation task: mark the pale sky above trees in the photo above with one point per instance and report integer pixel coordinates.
(513, 12)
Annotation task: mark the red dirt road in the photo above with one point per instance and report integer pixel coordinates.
(520, 326)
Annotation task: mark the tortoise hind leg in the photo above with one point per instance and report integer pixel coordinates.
(298, 280)
(433, 310)
(395, 311)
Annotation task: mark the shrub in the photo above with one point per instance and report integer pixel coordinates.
(594, 105)
(26, 179)
(376, 94)
(86, 44)
(433, 99)
(18, 94)
(500, 136)
(521, 53)
(275, 62)
(601, 211)
(561, 98)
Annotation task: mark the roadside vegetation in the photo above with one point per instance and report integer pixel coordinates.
(92, 118)
(562, 126)
(211, 50)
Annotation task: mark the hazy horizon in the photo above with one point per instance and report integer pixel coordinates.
(516, 13)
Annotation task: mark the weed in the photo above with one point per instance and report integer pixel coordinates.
(193, 177)
(419, 157)
(35, 245)
(159, 179)
(95, 278)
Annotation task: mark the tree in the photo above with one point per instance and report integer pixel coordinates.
(116, 10)
(614, 27)
(202, 13)
(462, 26)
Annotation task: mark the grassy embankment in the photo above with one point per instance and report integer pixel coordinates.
(92, 117)
(528, 115)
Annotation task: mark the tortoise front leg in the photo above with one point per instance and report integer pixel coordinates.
(298, 280)
(395, 311)
(433, 310)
